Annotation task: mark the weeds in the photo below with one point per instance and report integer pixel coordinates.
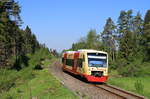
(139, 86)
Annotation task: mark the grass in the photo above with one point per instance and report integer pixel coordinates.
(42, 86)
(128, 83)
(30, 83)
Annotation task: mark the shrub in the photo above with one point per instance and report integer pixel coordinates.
(12, 77)
(134, 68)
(38, 66)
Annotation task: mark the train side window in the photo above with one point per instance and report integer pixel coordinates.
(79, 63)
(69, 62)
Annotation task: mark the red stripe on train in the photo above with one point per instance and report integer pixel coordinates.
(76, 55)
(65, 55)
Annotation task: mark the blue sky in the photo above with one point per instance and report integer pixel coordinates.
(59, 23)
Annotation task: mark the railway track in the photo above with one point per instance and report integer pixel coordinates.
(91, 90)
(119, 92)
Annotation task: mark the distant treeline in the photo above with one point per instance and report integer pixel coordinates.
(15, 43)
(127, 41)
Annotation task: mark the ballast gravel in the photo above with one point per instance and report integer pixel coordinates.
(79, 87)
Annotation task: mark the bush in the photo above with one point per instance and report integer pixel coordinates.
(145, 69)
(11, 77)
(38, 56)
(135, 68)
(38, 66)
(112, 64)
(121, 64)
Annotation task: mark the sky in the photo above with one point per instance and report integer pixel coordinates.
(59, 23)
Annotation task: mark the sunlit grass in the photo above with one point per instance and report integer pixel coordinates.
(31, 83)
(128, 83)
(42, 86)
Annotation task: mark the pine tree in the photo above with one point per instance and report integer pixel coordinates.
(81, 44)
(137, 24)
(34, 43)
(28, 40)
(7, 28)
(146, 34)
(108, 37)
(137, 30)
(14, 42)
(130, 40)
(92, 40)
(147, 17)
(124, 22)
(2, 45)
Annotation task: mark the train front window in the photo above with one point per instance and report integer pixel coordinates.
(97, 60)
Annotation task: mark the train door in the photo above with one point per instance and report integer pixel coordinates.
(64, 60)
(76, 56)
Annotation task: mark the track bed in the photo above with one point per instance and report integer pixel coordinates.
(81, 88)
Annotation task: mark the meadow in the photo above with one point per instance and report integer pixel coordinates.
(139, 85)
(30, 83)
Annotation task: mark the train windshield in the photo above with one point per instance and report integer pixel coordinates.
(97, 60)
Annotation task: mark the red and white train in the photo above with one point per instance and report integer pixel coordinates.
(89, 64)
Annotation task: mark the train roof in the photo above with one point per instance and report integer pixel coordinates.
(86, 50)
(91, 50)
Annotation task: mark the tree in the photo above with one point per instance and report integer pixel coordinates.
(147, 17)
(8, 26)
(137, 24)
(124, 22)
(137, 30)
(130, 40)
(81, 44)
(15, 42)
(130, 29)
(28, 40)
(35, 43)
(92, 40)
(146, 35)
(108, 37)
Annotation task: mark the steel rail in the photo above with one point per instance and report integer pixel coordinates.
(112, 90)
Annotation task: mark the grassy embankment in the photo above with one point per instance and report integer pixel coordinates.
(140, 85)
(29, 83)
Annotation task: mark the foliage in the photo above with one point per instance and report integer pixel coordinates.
(108, 38)
(91, 41)
(13, 40)
(20, 51)
(40, 85)
(127, 43)
(11, 78)
(146, 35)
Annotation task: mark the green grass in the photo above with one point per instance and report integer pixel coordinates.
(42, 86)
(29, 82)
(128, 83)
(47, 62)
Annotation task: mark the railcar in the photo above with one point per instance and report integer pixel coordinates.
(89, 64)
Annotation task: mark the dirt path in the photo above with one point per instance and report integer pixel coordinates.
(82, 89)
